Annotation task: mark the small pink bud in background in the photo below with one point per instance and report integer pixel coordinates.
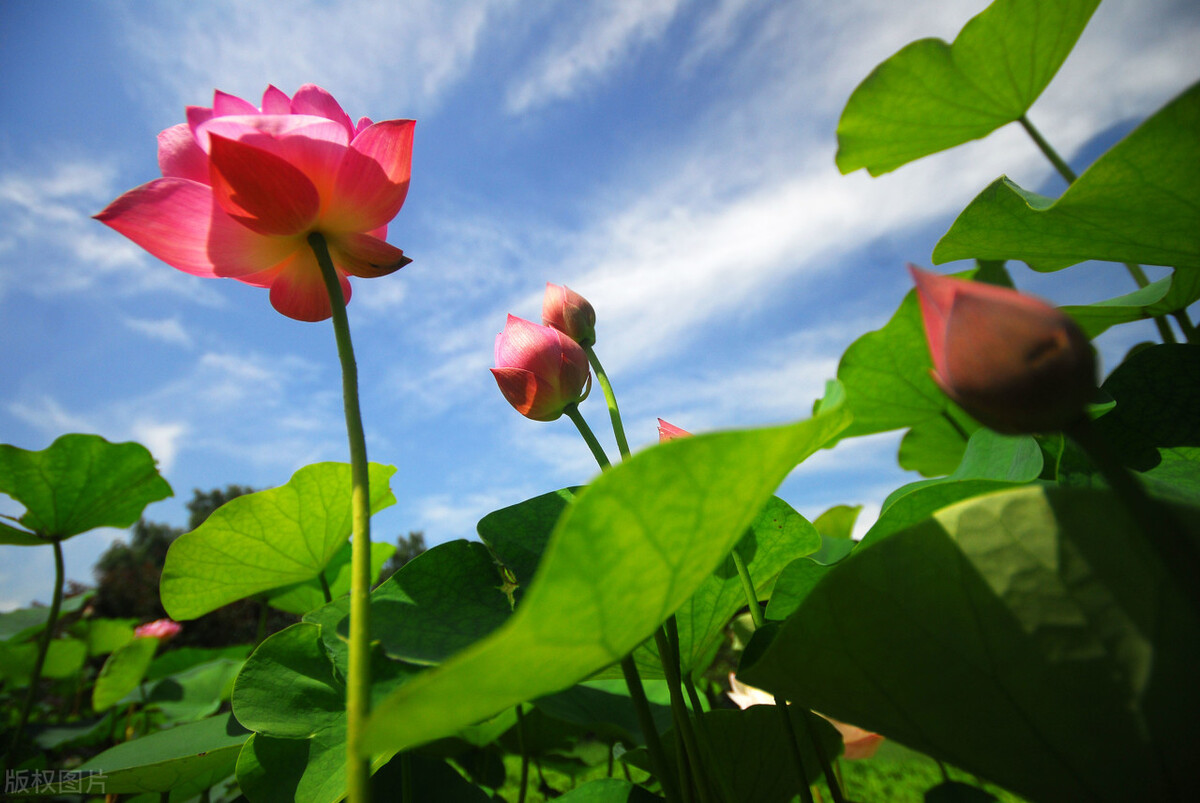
(669, 432)
(540, 370)
(1012, 361)
(570, 313)
(161, 629)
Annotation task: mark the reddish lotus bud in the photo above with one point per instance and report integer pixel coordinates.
(669, 432)
(161, 629)
(570, 313)
(540, 370)
(1012, 361)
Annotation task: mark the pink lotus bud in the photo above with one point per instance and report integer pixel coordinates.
(161, 629)
(540, 370)
(570, 313)
(1012, 361)
(669, 432)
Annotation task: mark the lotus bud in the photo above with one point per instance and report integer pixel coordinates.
(1012, 361)
(570, 313)
(540, 370)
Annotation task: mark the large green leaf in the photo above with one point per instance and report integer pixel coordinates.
(307, 596)
(1140, 202)
(631, 549)
(604, 708)
(440, 602)
(1168, 295)
(78, 483)
(265, 540)
(23, 623)
(290, 696)
(196, 692)
(931, 96)
(778, 536)
(988, 456)
(122, 672)
(187, 757)
(518, 534)
(1154, 428)
(1028, 636)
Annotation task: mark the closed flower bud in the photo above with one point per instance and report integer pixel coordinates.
(570, 313)
(1012, 361)
(161, 629)
(540, 370)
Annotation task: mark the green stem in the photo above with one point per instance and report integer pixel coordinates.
(406, 776)
(1185, 326)
(658, 758)
(702, 731)
(325, 587)
(1161, 529)
(1139, 276)
(572, 412)
(525, 756)
(44, 647)
(611, 398)
(756, 616)
(683, 724)
(261, 633)
(1060, 165)
(358, 681)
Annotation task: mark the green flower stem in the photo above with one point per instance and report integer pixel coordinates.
(525, 755)
(325, 587)
(683, 723)
(633, 680)
(756, 615)
(406, 777)
(358, 681)
(1069, 175)
(572, 412)
(611, 398)
(710, 755)
(1160, 528)
(44, 647)
(658, 758)
(261, 632)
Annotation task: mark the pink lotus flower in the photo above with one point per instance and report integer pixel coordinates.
(243, 187)
(570, 313)
(1012, 361)
(857, 743)
(161, 629)
(540, 370)
(669, 432)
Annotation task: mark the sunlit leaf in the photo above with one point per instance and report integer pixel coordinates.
(1139, 203)
(1028, 636)
(931, 95)
(265, 540)
(122, 672)
(78, 483)
(304, 597)
(633, 547)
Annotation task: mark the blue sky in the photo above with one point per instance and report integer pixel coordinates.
(671, 160)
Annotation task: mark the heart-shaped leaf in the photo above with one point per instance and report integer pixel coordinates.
(78, 483)
(1137, 203)
(630, 550)
(265, 540)
(931, 96)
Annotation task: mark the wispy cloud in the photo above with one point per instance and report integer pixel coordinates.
(591, 44)
(167, 330)
(378, 57)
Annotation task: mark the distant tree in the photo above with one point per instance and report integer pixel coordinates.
(203, 504)
(128, 575)
(407, 548)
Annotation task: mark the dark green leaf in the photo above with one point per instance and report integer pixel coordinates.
(23, 623)
(931, 96)
(517, 535)
(1039, 612)
(1137, 203)
(1163, 297)
(958, 792)
(608, 790)
(77, 484)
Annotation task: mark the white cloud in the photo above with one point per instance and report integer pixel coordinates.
(378, 57)
(161, 439)
(596, 43)
(168, 330)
